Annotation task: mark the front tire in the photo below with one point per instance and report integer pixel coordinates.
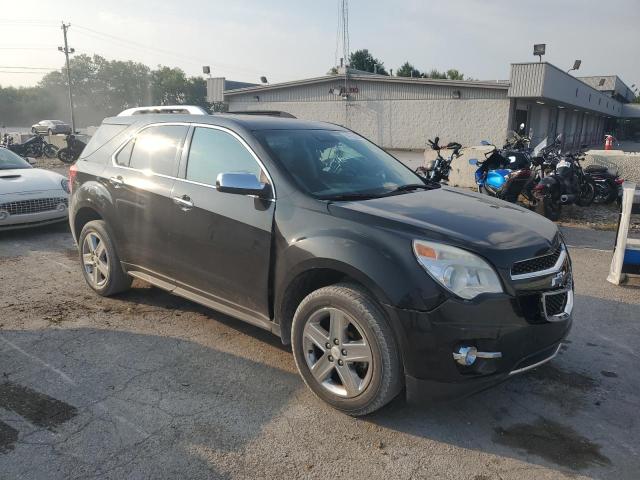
(100, 262)
(65, 155)
(345, 350)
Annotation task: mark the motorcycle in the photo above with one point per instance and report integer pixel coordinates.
(35, 146)
(607, 183)
(72, 151)
(565, 182)
(438, 170)
(506, 174)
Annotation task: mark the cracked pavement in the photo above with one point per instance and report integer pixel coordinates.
(154, 386)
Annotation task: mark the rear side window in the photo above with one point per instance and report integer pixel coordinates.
(105, 133)
(156, 149)
(214, 151)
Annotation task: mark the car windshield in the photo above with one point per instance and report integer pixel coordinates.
(330, 164)
(9, 160)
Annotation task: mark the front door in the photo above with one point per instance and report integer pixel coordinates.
(222, 241)
(141, 179)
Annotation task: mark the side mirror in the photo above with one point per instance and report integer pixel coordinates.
(521, 128)
(485, 143)
(241, 184)
(473, 161)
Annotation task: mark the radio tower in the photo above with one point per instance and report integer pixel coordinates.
(342, 36)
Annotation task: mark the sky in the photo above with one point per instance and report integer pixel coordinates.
(294, 39)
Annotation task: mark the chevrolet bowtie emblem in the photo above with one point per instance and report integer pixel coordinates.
(559, 279)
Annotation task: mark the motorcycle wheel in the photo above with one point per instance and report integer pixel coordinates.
(587, 193)
(549, 208)
(50, 151)
(65, 156)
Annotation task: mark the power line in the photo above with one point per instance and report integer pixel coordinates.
(31, 68)
(90, 32)
(26, 48)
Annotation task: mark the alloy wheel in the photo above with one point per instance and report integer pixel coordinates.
(95, 260)
(337, 352)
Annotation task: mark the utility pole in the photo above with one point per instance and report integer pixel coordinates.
(66, 50)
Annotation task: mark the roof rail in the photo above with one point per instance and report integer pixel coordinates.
(178, 109)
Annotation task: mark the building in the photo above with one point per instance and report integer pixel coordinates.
(400, 113)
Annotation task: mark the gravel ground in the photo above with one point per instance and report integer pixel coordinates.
(148, 385)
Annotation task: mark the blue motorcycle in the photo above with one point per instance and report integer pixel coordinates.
(505, 174)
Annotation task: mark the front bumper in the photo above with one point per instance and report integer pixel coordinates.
(510, 325)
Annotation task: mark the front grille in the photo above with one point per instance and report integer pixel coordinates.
(537, 264)
(36, 205)
(554, 303)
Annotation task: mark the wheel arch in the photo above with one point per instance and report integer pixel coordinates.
(312, 275)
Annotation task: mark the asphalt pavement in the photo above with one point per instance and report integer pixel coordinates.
(148, 385)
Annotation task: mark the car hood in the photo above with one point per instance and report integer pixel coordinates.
(500, 231)
(22, 180)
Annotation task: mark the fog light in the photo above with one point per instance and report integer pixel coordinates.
(61, 207)
(4, 215)
(467, 355)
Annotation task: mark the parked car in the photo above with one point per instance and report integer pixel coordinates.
(51, 127)
(29, 196)
(378, 279)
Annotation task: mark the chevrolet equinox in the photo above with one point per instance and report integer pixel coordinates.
(379, 280)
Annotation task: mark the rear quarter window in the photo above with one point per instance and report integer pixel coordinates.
(103, 135)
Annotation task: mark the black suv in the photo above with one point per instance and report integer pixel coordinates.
(377, 279)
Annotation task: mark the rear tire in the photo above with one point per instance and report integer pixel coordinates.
(99, 260)
(587, 193)
(328, 324)
(50, 151)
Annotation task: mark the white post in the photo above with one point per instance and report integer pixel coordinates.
(615, 272)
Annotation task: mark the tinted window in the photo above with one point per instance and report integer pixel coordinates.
(124, 155)
(156, 149)
(213, 152)
(328, 163)
(104, 134)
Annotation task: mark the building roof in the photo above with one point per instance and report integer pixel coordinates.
(370, 77)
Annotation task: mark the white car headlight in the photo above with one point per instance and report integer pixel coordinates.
(461, 272)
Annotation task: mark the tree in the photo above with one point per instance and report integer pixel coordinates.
(363, 60)
(453, 74)
(408, 70)
(434, 73)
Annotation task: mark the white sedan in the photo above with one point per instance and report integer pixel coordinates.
(30, 196)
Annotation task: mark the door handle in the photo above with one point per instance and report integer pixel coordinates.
(116, 181)
(184, 202)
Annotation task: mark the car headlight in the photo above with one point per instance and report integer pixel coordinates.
(64, 183)
(461, 272)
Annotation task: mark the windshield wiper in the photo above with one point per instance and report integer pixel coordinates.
(350, 196)
(410, 187)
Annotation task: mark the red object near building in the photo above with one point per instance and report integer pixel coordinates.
(608, 142)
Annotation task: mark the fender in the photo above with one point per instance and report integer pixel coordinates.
(394, 276)
(94, 195)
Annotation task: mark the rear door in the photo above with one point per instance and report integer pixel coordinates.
(221, 241)
(141, 177)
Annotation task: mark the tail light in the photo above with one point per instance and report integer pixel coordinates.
(619, 181)
(538, 191)
(73, 173)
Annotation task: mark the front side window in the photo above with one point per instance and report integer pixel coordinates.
(213, 152)
(156, 149)
(334, 163)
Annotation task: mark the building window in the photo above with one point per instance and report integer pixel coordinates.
(576, 92)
